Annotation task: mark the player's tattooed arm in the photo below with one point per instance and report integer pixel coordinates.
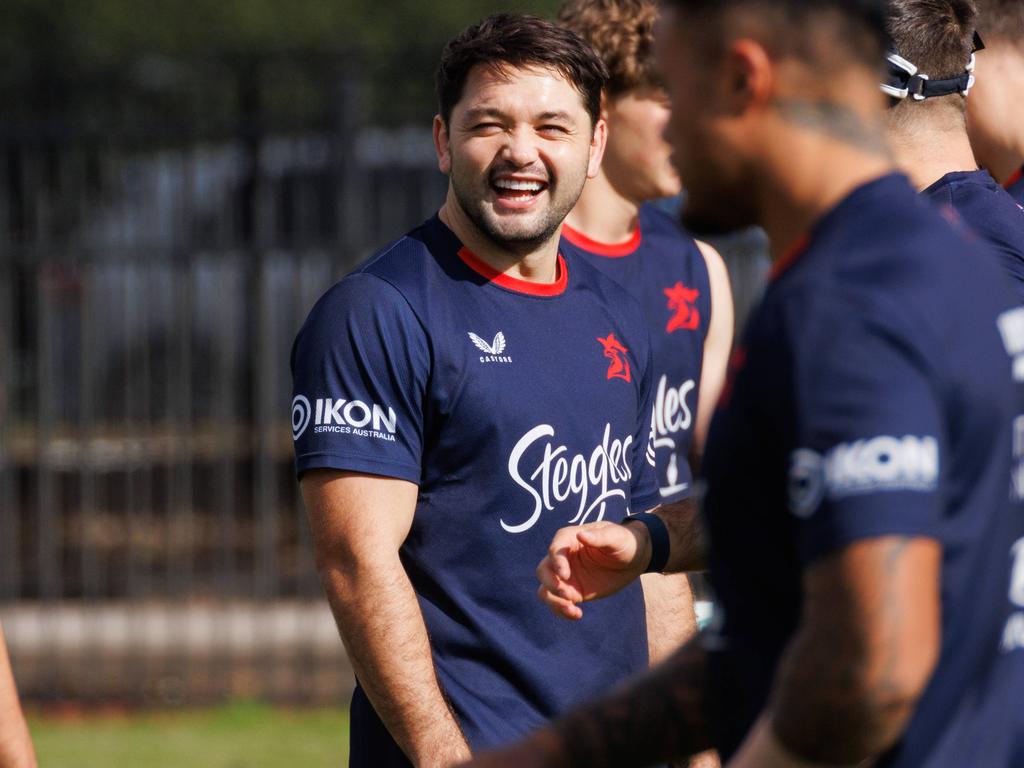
(866, 646)
(376, 608)
(653, 718)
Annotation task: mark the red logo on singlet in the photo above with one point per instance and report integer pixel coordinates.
(618, 368)
(682, 301)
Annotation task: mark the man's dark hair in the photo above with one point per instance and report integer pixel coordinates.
(934, 35)
(622, 33)
(1001, 21)
(519, 41)
(860, 25)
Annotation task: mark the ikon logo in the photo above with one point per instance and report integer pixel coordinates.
(618, 368)
(342, 416)
(682, 301)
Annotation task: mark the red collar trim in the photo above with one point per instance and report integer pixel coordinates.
(612, 250)
(1017, 175)
(483, 269)
(794, 252)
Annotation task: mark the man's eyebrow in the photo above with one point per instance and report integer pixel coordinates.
(476, 113)
(557, 115)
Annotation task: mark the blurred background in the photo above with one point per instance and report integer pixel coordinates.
(179, 181)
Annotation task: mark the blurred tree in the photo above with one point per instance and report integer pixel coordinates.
(182, 59)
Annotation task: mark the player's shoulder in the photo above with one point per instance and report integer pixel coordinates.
(387, 284)
(886, 257)
(613, 297)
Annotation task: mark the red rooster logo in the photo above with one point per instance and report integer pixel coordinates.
(682, 301)
(618, 368)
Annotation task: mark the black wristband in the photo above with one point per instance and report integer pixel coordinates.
(659, 539)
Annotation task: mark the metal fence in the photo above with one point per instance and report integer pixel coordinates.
(153, 546)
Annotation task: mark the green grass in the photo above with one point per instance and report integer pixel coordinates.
(243, 735)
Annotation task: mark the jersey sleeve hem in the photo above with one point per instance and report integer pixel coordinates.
(348, 463)
(646, 502)
(810, 551)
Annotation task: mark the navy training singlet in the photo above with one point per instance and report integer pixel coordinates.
(518, 409)
(877, 391)
(664, 270)
(1015, 185)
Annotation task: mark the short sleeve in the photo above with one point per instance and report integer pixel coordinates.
(644, 487)
(870, 441)
(360, 365)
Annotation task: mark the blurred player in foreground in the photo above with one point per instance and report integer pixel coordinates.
(930, 71)
(865, 542)
(994, 108)
(681, 284)
(462, 396)
(15, 743)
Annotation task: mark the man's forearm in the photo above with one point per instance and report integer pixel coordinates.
(15, 743)
(659, 716)
(383, 631)
(847, 684)
(668, 603)
(686, 536)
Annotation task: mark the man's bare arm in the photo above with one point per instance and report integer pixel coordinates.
(668, 606)
(16, 749)
(359, 523)
(868, 640)
(717, 347)
(653, 718)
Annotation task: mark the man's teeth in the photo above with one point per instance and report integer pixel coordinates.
(519, 186)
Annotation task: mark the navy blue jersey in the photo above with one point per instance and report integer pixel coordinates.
(518, 409)
(662, 267)
(990, 213)
(877, 391)
(1015, 185)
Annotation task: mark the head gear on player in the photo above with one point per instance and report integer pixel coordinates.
(906, 80)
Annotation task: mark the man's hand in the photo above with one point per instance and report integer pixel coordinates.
(586, 562)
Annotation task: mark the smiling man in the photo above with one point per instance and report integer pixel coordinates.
(459, 398)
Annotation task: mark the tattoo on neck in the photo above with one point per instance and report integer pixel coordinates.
(833, 119)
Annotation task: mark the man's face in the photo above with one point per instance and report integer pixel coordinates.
(637, 159)
(704, 129)
(518, 148)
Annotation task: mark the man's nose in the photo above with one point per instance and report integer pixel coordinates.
(521, 149)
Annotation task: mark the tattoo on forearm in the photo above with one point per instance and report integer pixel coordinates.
(656, 717)
(837, 696)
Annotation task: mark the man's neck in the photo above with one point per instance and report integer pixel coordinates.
(537, 265)
(805, 178)
(1005, 165)
(927, 151)
(603, 214)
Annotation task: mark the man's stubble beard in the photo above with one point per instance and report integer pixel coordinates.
(514, 242)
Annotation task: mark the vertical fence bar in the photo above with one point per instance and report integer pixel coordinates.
(226, 422)
(47, 521)
(9, 508)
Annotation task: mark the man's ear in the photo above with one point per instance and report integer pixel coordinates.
(597, 144)
(750, 75)
(442, 146)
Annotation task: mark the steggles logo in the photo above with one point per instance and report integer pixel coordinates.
(618, 368)
(682, 301)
